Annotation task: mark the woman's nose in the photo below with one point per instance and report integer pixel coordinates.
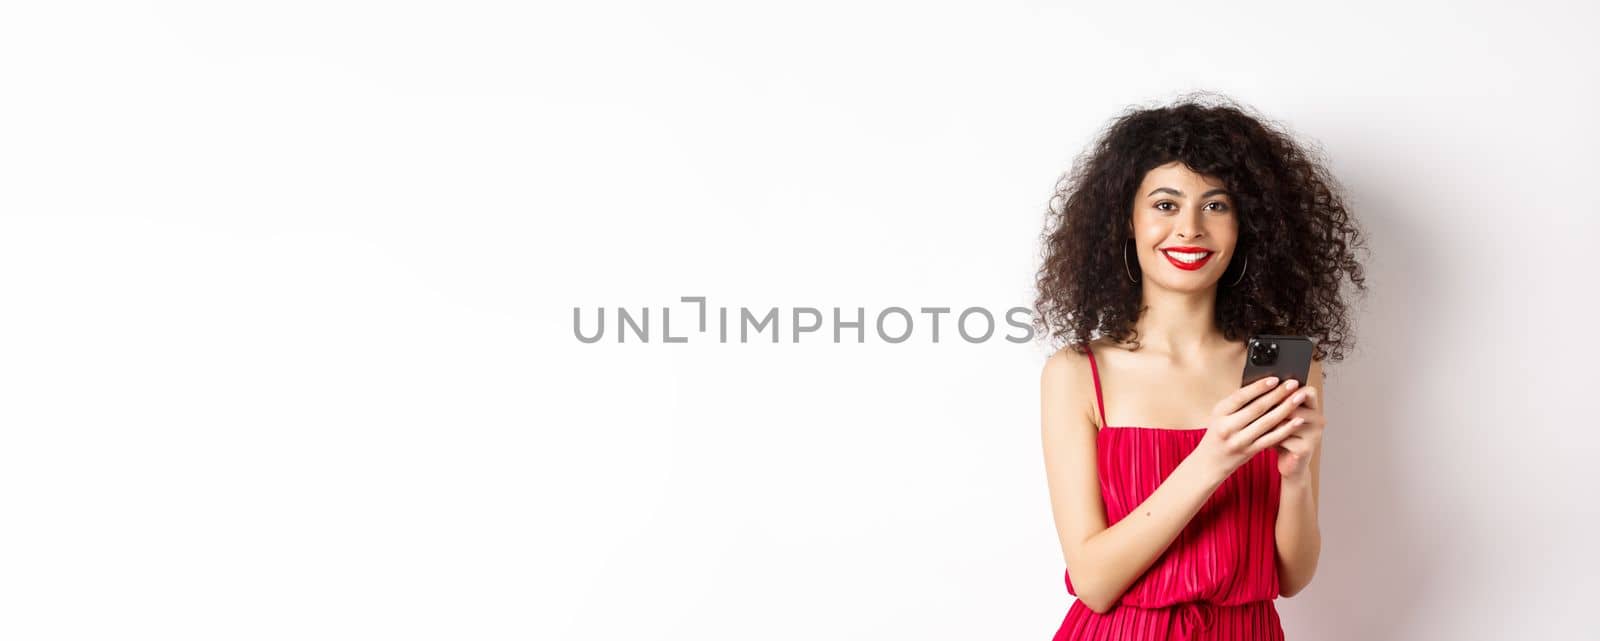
(1189, 225)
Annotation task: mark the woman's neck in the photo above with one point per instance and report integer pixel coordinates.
(1181, 325)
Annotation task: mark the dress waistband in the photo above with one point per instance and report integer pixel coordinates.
(1196, 616)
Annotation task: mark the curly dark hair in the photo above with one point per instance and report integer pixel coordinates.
(1294, 230)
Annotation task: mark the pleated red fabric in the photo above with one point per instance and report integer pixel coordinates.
(1218, 579)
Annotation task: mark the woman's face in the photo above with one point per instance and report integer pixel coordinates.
(1175, 210)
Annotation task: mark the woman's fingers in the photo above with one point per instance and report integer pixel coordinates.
(1232, 402)
(1278, 434)
(1313, 398)
(1262, 405)
(1256, 428)
(1296, 441)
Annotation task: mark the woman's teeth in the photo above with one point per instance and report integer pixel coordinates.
(1188, 257)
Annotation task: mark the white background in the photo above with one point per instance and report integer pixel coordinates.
(287, 303)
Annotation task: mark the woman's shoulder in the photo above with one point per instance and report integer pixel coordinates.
(1065, 360)
(1069, 365)
(1065, 386)
(1074, 356)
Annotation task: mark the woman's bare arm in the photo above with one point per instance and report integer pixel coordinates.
(1103, 561)
(1297, 533)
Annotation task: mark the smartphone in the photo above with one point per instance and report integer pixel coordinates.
(1285, 357)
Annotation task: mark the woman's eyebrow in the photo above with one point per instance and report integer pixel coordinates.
(1179, 194)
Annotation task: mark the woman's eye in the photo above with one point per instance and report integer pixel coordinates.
(1170, 206)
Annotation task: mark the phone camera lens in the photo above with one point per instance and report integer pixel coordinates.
(1262, 353)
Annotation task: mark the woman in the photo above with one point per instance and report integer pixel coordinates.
(1185, 503)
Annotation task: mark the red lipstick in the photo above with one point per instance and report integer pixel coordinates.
(1188, 266)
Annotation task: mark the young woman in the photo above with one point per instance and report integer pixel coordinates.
(1185, 503)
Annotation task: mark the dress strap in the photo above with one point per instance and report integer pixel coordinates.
(1099, 401)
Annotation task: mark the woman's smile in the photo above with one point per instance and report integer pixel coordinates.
(1188, 258)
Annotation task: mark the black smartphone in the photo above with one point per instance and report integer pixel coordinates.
(1285, 357)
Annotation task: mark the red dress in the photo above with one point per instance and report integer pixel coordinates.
(1219, 578)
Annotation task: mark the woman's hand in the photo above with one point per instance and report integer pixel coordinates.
(1294, 453)
(1253, 418)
